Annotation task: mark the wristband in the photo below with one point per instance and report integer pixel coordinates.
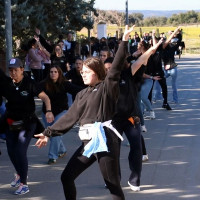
(48, 111)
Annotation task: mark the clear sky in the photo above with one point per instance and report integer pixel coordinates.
(148, 4)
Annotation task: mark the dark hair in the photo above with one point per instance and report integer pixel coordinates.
(145, 44)
(31, 43)
(109, 60)
(78, 58)
(50, 85)
(106, 49)
(97, 66)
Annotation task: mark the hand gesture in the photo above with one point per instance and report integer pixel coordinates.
(153, 32)
(127, 32)
(49, 117)
(42, 141)
(157, 78)
(36, 38)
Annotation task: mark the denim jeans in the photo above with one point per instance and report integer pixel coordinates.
(157, 91)
(56, 144)
(173, 73)
(17, 145)
(145, 90)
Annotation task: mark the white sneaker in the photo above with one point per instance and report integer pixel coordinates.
(145, 158)
(152, 114)
(143, 128)
(134, 188)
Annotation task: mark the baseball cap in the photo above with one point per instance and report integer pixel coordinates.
(15, 62)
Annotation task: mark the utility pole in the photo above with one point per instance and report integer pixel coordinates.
(8, 31)
(127, 21)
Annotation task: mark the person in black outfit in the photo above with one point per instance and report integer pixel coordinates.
(20, 121)
(56, 87)
(58, 58)
(157, 71)
(70, 47)
(74, 75)
(126, 116)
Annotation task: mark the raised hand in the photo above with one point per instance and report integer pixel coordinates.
(127, 32)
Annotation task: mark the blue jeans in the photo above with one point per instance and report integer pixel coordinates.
(173, 73)
(157, 91)
(145, 90)
(56, 144)
(17, 145)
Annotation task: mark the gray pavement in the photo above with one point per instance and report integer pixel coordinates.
(173, 145)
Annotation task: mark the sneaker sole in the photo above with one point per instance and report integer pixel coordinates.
(22, 193)
(134, 188)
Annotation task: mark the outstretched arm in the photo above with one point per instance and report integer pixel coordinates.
(170, 37)
(143, 59)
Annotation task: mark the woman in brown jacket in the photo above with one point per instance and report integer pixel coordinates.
(94, 108)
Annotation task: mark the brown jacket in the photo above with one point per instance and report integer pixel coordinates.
(93, 104)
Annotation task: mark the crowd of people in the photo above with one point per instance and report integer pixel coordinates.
(111, 93)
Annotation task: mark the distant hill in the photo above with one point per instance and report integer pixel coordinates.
(158, 13)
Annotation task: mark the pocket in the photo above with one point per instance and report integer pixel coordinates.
(84, 134)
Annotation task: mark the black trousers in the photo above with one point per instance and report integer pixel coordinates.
(133, 134)
(108, 164)
(163, 85)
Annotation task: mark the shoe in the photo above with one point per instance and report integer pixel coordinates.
(143, 128)
(61, 155)
(134, 188)
(51, 161)
(16, 181)
(23, 189)
(166, 106)
(145, 158)
(152, 115)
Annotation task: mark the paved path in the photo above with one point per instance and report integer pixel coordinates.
(173, 145)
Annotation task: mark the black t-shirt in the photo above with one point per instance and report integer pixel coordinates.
(169, 52)
(75, 78)
(156, 67)
(59, 61)
(20, 103)
(126, 104)
(58, 98)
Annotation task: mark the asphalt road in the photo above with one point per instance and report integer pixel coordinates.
(173, 145)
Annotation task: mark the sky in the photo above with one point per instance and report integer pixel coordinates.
(148, 4)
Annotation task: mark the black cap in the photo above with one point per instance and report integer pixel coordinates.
(15, 62)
